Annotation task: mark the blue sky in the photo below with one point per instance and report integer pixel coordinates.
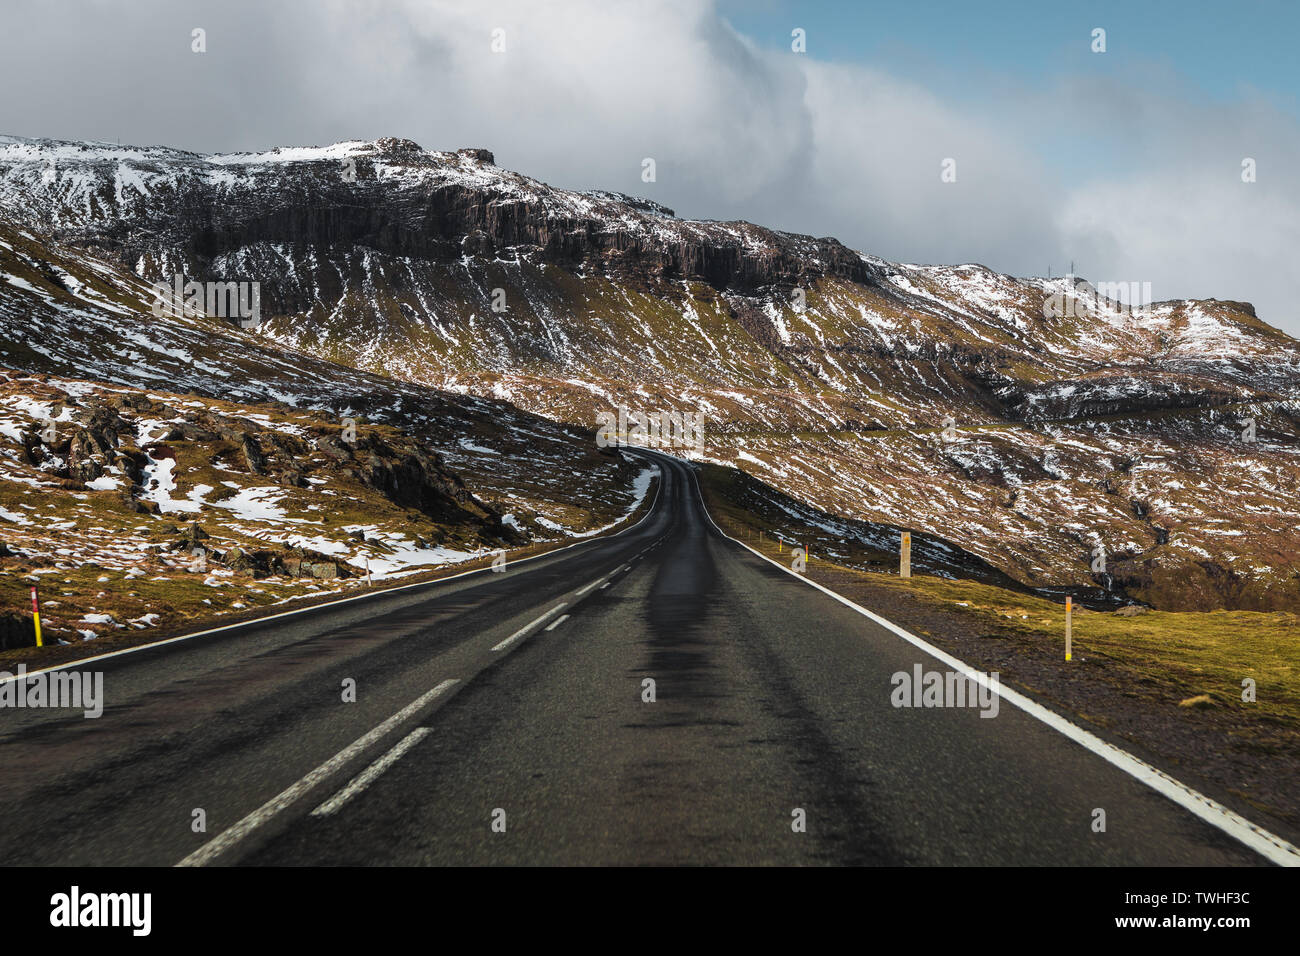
(970, 49)
(975, 54)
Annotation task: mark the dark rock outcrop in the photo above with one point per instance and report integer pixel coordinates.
(426, 206)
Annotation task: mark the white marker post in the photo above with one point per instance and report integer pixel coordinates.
(1069, 611)
(905, 556)
(368, 581)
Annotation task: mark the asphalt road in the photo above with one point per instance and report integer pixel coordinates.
(494, 726)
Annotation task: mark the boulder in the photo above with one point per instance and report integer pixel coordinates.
(1131, 610)
(252, 455)
(16, 630)
(85, 456)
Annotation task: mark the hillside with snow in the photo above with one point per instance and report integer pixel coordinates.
(1031, 423)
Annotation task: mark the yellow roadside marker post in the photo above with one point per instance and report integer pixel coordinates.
(905, 556)
(1069, 612)
(36, 616)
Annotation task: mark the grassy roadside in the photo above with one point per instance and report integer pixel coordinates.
(1199, 654)
(1167, 684)
(184, 597)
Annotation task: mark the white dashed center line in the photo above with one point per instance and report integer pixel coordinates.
(589, 587)
(215, 847)
(371, 773)
(528, 627)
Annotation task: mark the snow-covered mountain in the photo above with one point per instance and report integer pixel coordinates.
(1029, 421)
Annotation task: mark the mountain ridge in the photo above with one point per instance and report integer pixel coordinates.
(906, 395)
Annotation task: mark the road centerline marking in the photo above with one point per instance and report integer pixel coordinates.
(365, 595)
(372, 773)
(528, 627)
(557, 622)
(286, 798)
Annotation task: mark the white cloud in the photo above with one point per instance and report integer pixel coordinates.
(879, 146)
(1137, 180)
(1198, 233)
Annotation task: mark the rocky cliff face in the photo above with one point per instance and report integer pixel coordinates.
(390, 197)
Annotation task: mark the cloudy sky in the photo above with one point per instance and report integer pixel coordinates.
(1127, 162)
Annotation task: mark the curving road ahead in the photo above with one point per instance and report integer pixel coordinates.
(501, 718)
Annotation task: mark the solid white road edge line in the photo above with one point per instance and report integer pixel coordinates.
(528, 627)
(1266, 844)
(372, 773)
(347, 600)
(263, 814)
